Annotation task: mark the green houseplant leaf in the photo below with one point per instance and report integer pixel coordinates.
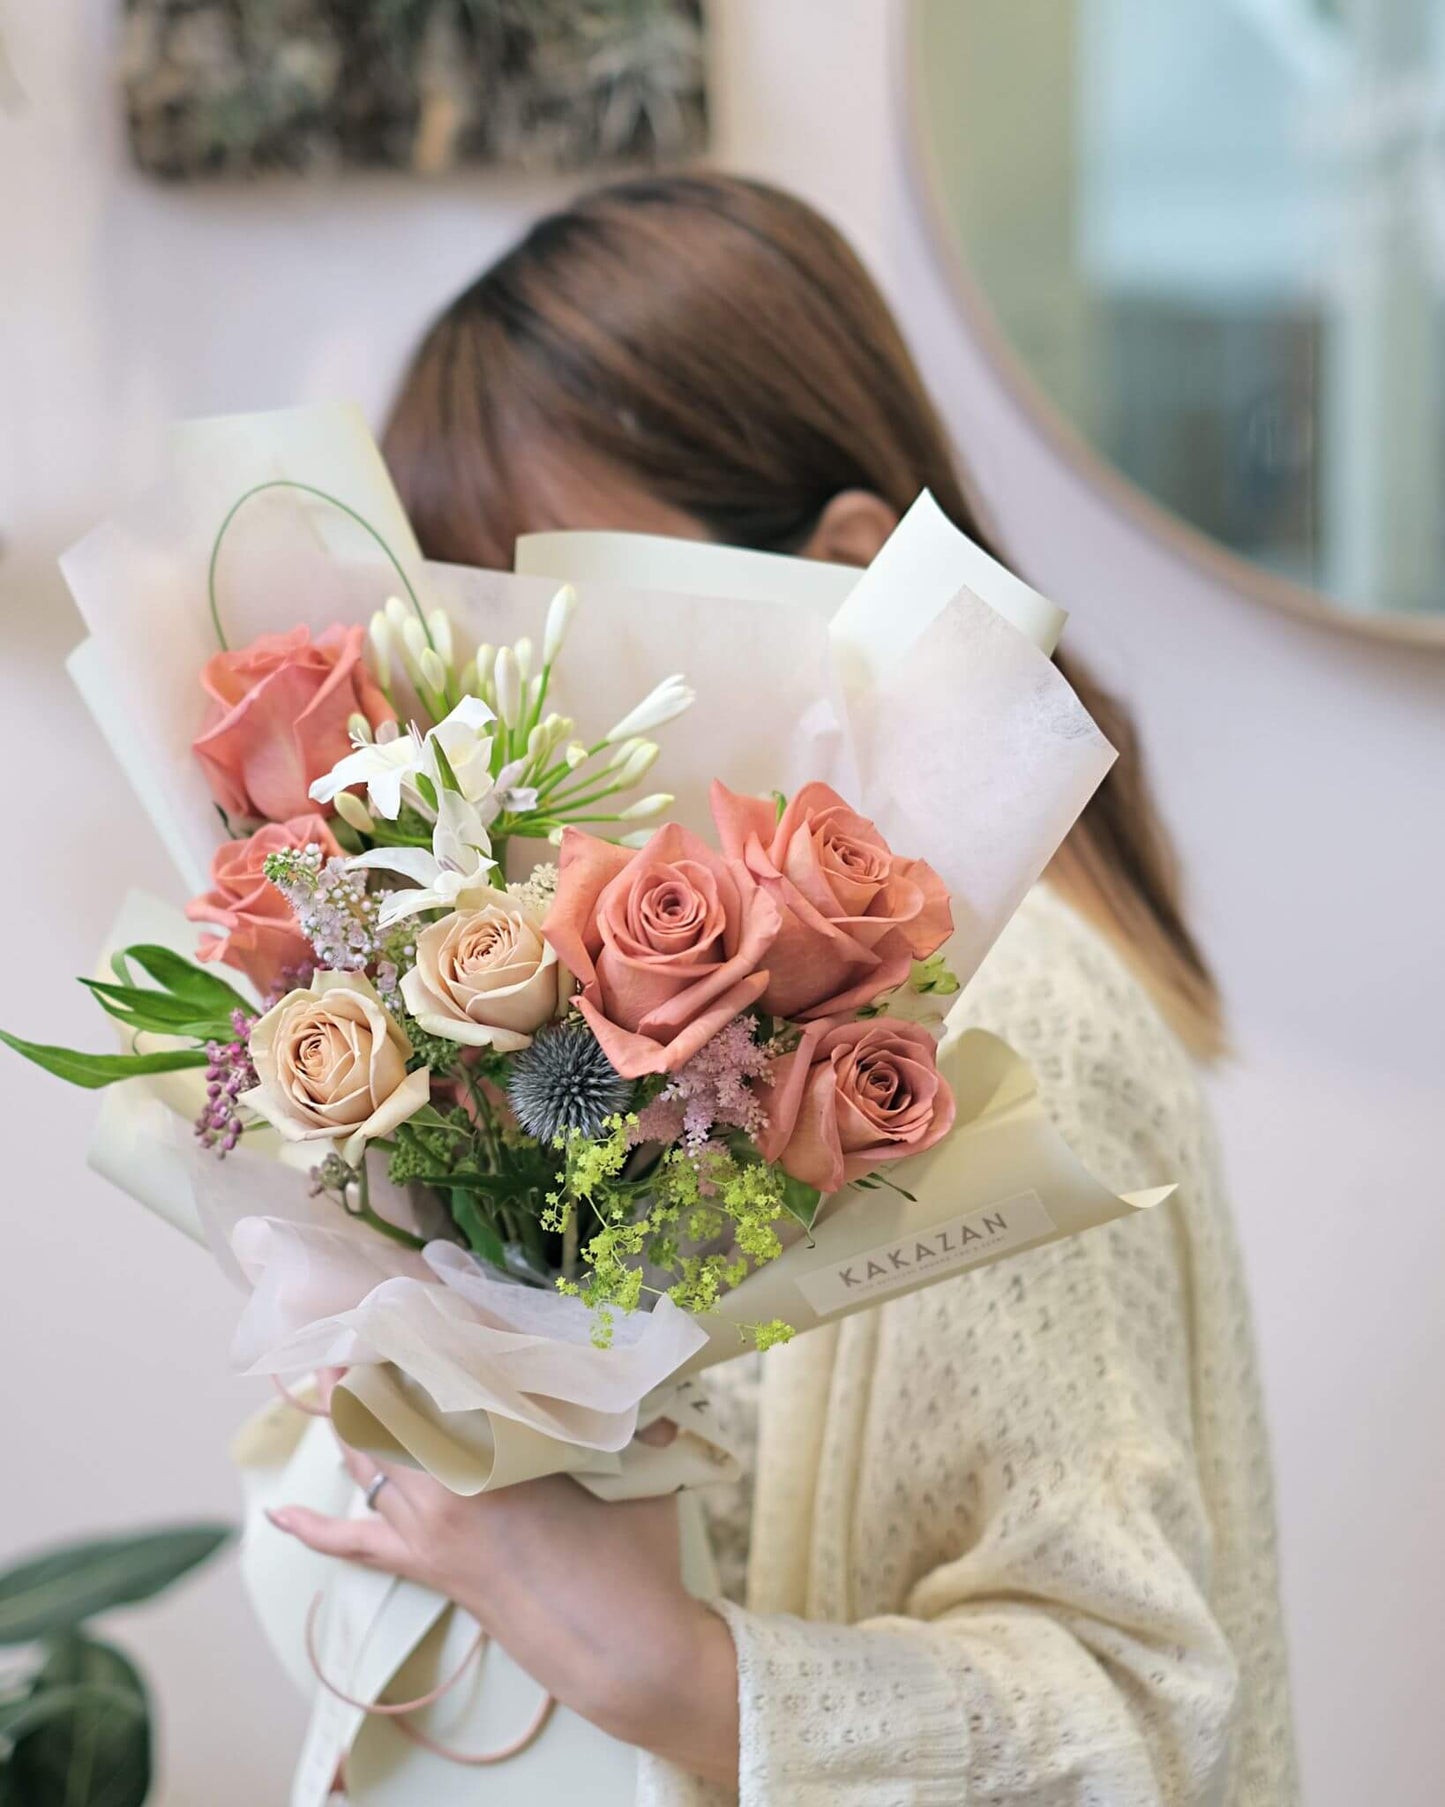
(87, 1740)
(55, 1591)
(95, 1752)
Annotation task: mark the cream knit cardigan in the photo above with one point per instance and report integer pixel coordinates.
(1012, 1537)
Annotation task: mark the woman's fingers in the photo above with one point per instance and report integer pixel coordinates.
(366, 1540)
(389, 1500)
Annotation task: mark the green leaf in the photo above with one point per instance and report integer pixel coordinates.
(157, 1012)
(800, 1201)
(29, 1712)
(75, 1657)
(429, 1117)
(96, 1070)
(55, 1591)
(479, 1233)
(182, 978)
(86, 1744)
(444, 767)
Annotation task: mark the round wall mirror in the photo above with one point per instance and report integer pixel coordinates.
(1207, 241)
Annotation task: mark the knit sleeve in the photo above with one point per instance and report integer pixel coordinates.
(1062, 1651)
(1036, 1627)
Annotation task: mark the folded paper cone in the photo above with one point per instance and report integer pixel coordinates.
(1002, 1182)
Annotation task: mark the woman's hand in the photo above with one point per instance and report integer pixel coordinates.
(586, 1596)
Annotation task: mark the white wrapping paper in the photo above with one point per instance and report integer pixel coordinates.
(911, 695)
(921, 690)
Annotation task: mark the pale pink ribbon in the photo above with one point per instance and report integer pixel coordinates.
(399, 1709)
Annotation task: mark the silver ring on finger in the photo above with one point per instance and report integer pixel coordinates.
(373, 1488)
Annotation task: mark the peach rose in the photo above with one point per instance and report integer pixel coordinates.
(278, 716)
(483, 975)
(852, 1097)
(854, 916)
(263, 939)
(666, 943)
(332, 1066)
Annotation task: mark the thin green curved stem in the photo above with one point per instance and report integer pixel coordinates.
(325, 496)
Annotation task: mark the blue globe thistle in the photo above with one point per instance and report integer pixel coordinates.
(564, 1082)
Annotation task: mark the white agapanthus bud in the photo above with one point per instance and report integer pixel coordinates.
(413, 638)
(555, 836)
(486, 659)
(353, 811)
(664, 704)
(559, 619)
(507, 678)
(467, 678)
(545, 736)
(575, 755)
(623, 751)
(383, 648)
(440, 626)
(433, 671)
(523, 650)
(646, 806)
(638, 764)
(397, 614)
(359, 729)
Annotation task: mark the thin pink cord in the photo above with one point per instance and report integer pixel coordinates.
(398, 1709)
(480, 1759)
(294, 1400)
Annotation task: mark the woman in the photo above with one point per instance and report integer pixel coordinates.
(1011, 1537)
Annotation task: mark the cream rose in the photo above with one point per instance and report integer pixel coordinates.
(332, 1066)
(483, 975)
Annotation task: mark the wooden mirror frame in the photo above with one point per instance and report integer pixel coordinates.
(1126, 497)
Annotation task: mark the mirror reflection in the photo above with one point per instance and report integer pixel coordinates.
(1213, 232)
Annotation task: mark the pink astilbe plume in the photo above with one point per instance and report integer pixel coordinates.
(712, 1091)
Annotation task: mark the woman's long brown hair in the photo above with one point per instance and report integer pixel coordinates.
(720, 344)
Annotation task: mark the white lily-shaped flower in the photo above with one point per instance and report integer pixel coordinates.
(460, 859)
(467, 750)
(389, 768)
(383, 766)
(519, 799)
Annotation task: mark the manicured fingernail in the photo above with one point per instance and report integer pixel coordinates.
(280, 1517)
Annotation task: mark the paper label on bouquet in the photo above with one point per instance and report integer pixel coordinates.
(960, 1243)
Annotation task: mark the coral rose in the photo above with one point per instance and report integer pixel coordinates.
(668, 943)
(332, 1066)
(278, 718)
(852, 1097)
(854, 916)
(483, 975)
(262, 939)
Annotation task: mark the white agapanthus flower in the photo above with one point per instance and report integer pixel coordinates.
(468, 750)
(389, 768)
(460, 858)
(385, 767)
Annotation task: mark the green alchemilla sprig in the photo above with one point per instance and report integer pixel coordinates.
(701, 1222)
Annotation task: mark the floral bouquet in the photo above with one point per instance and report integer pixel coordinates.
(537, 1090)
